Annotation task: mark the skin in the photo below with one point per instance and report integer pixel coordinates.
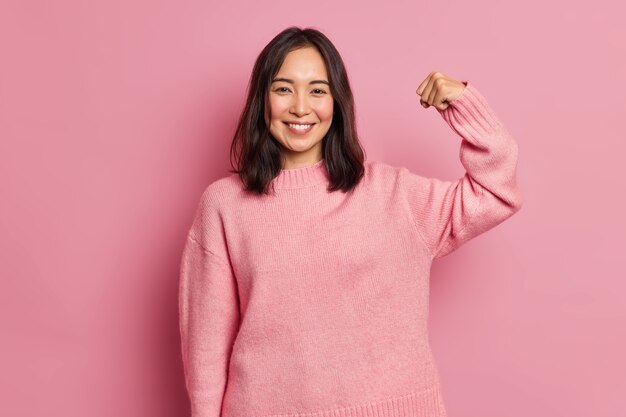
(438, 90)
(303, 102)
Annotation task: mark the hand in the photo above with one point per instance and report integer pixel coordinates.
(439, 90)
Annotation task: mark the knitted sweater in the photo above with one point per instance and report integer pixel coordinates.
(315, 304)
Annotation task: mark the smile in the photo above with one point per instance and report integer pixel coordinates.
(300, 129)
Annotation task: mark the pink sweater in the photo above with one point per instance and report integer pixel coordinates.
(315, 304)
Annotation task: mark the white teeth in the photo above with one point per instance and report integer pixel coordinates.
(299, 127)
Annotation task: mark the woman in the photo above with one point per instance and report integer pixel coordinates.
(304, 279)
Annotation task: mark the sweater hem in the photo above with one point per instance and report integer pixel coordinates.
(421, 403)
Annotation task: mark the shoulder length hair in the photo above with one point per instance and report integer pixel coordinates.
(258, 154)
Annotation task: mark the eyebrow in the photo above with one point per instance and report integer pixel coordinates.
(292, 82)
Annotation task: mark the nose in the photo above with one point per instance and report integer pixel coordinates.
(300, 105)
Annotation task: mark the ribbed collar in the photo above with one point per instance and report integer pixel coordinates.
(302, 176)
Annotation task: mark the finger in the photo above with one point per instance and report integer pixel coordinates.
(436, 91)
(439, 100)
(421, 91)
(420, 88)
(426, 93)
(442, 106)
(423, 84)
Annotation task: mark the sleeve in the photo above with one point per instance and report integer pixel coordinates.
(449, 213)
(208, 312)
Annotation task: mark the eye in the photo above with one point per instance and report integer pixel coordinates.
(316, 91)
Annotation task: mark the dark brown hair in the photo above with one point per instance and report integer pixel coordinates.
(258, 153)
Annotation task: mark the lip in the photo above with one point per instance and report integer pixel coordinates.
(300, 132)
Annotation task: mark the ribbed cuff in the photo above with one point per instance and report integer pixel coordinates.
(470, 115)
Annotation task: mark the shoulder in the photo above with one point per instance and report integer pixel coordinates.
(221, 192)
(378, 167)
(214, 201)
(384, 176)
(383, 173)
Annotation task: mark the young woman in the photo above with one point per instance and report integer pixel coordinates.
(304, 279)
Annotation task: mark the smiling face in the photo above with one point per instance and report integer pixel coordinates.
(300, 94)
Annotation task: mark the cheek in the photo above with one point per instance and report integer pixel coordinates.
(325, 111)
(278, 108)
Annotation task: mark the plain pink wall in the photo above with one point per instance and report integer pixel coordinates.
(114, 116)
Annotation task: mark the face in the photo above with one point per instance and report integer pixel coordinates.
(300, 94)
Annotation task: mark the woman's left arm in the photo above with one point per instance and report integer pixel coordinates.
(449, 213)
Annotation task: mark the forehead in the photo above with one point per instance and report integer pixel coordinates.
(302, 65)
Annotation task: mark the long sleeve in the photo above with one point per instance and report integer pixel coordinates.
(208, 312)
(449, 213)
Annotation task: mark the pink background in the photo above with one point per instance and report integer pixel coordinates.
(114, 116)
